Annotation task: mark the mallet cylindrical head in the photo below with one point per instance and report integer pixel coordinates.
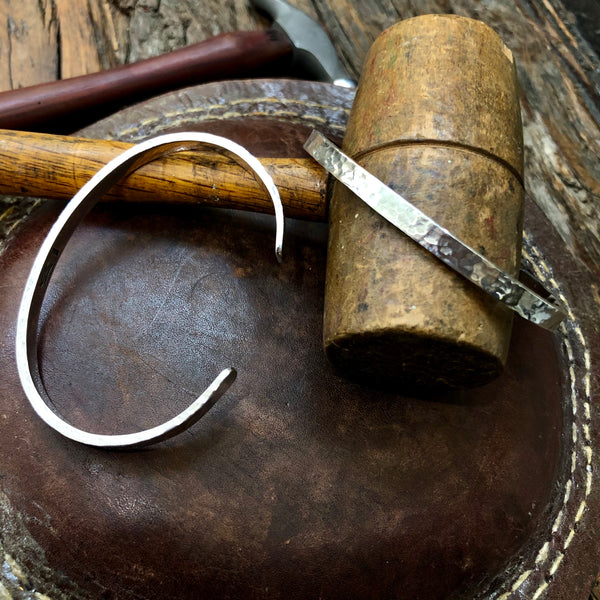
(437, 118)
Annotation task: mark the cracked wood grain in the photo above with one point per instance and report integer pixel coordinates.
(28, 43)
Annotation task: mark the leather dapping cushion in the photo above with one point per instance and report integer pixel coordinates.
(297, 484)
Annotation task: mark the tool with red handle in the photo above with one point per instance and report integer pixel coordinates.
(294, 42)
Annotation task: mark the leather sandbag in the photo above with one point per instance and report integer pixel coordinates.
(298, 483)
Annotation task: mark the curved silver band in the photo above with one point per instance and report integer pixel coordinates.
(433, 237)
(50, 251)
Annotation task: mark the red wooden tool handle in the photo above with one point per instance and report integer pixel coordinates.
(228, 55)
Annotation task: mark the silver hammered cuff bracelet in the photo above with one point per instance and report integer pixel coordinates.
(54, 244)
(545, 312)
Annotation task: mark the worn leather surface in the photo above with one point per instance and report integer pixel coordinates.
(298, 483)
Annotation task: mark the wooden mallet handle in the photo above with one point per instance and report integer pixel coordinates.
(51, 166)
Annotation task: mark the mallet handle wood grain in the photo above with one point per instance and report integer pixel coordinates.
(52, 166)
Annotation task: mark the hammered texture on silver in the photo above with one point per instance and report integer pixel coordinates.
(433, 237)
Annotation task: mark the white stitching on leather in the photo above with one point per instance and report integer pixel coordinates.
(551, 555)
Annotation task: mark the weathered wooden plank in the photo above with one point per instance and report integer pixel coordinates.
(78, 52)
(28, 43)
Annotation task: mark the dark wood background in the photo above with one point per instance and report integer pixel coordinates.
(556, 45)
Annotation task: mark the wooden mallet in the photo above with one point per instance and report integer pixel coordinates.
(437, 118)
